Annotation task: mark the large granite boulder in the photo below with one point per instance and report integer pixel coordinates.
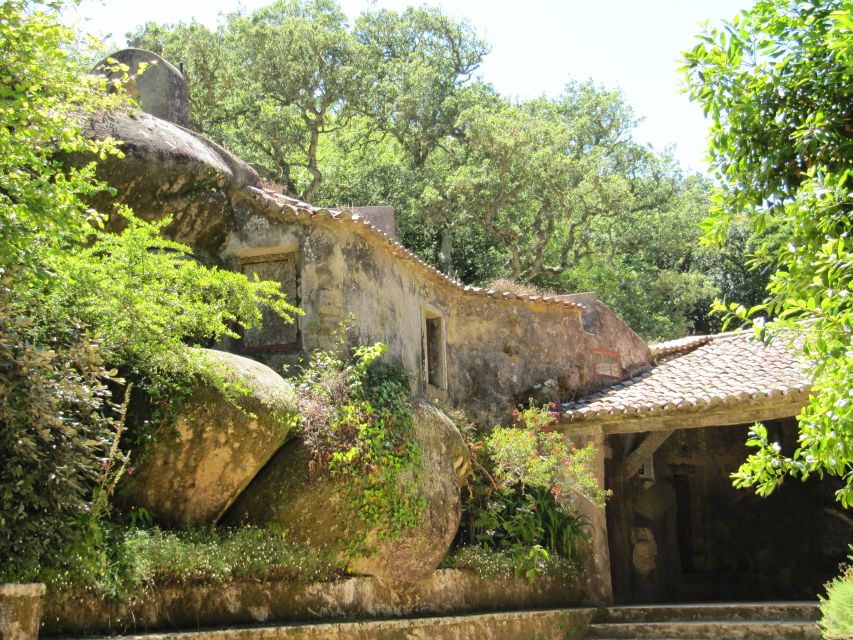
(160, 88)
(169, 170)
(313, 509)
(192, 474)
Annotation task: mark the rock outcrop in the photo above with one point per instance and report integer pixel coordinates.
(192, 475)
(169, 170)
(159, 87)
(314, 510)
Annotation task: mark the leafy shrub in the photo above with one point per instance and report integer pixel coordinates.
(74, 299)
(837, 608)
(520, 502)
(146, 298)
(356, 421)
(52, 432)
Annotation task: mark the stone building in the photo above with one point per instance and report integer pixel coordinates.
(670, 420)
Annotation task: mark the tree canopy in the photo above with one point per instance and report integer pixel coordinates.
(776, 83)
(552, 193)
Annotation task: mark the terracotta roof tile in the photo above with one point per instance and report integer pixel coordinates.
(707, 371)
(291, 207)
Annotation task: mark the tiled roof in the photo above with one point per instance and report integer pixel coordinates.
(727, 369)
(290, 207)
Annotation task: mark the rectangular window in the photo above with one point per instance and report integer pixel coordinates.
(607, 363)
(274, 334)
(435, 350)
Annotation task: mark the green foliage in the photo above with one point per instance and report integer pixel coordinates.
(141, 560)
(512, 562)
(520, 499)
(550, 192)
(419, 62)
(145, 298)
(356, 421)
(776, 82)
(43, 96)
(836, 608)
(75, 299)
(53, 432)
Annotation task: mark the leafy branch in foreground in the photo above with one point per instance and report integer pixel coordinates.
(776, 83)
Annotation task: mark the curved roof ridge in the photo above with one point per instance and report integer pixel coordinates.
(291, 207)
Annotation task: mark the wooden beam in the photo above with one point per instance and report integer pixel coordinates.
(650, 444)
(744, 412)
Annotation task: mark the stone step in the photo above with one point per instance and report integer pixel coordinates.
(706, 630)
(791, 611)
(555, 624)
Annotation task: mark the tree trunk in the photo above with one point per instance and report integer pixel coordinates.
(445, 252)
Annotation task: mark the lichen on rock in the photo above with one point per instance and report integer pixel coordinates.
(315, 509)
(192, 473)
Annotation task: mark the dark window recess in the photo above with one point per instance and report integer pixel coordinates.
(274, 334)
(436, 368)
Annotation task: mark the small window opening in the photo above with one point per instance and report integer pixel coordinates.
(434, 351)
(607, 363)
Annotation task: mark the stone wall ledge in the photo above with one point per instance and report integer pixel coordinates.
(553, 624)
(191, 607)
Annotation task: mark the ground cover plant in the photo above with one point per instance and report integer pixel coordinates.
(139, 560)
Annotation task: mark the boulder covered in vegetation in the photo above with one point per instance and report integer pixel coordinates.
(325, 513)
(169, 170)
(223, 434)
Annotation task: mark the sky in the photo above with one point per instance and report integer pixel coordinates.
(537, 46)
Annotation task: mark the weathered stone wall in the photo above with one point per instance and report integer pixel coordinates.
(498, 351)
(20, 611)
(446, 592)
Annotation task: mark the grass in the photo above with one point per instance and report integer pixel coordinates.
(136, 560)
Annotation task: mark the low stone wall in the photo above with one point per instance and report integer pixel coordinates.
(557, 624)
(189, 607)
(20, 610)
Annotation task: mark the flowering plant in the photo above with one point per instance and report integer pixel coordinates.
(521, 501)
(531, 455)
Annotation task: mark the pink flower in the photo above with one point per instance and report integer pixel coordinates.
(553, 405)
(131, 470)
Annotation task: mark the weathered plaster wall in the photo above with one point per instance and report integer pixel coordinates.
(497, 350)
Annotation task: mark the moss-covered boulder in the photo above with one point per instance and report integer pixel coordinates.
(198, 467)
(317, 510)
